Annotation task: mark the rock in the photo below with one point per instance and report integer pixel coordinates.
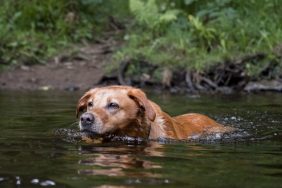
(264, 85)
(225, 90)
(72, 88)
(45, 88)
(33, 80)
(25, 68)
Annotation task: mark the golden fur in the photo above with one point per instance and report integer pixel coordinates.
(137, 116)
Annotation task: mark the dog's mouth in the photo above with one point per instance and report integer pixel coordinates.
(93, 134)
(89, 133)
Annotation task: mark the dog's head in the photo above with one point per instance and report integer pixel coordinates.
(107, 110)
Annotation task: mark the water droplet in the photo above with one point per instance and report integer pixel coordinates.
(47, 183)
(18, 182)
(217, 135)
(137, 181)
(34, 181)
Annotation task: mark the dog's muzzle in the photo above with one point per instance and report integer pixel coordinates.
(86, 121)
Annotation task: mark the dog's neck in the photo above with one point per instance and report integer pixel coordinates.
(137, 128)
(164, 126)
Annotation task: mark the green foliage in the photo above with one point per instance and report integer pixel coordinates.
(33, 30)
(186, 34)
(198, 34)
(148, 15)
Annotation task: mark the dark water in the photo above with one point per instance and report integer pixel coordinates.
(32, 156)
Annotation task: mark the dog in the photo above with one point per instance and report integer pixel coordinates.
(125, 111)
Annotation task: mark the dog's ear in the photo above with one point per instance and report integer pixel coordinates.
(141, 99)
(82, 103)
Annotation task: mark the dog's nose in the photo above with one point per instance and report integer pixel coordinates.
(87, 119)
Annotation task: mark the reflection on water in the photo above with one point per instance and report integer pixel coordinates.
(116, 161)
(32, 156)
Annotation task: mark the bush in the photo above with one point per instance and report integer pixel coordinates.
(176, 34)
(198, 34)
(33, 30)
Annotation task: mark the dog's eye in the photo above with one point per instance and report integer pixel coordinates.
(90, 104)
(113, 105)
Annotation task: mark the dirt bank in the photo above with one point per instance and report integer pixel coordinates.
(84, 68)
(70, 71)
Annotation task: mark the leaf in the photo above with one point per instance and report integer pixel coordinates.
(146, 14)
(151, 7)
(169, 16)
(17, 15)
(135, 6)
(188, 2)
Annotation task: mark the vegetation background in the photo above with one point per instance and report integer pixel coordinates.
(175, 35)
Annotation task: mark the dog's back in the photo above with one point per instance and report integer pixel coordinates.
(126, 111)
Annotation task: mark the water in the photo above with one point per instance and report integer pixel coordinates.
(32, 156)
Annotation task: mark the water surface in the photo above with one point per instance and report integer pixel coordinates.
(32, 156)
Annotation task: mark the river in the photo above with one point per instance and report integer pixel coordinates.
(31, 155)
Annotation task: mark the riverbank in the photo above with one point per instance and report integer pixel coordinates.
(88, 65)
(189, 46)
(73, 70)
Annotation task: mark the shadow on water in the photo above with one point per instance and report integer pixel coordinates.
(32, 156)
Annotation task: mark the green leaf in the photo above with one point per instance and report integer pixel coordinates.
(169, 16)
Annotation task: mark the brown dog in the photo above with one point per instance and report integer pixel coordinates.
(125, 111)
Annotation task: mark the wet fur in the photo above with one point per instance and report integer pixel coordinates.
(138, 116)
